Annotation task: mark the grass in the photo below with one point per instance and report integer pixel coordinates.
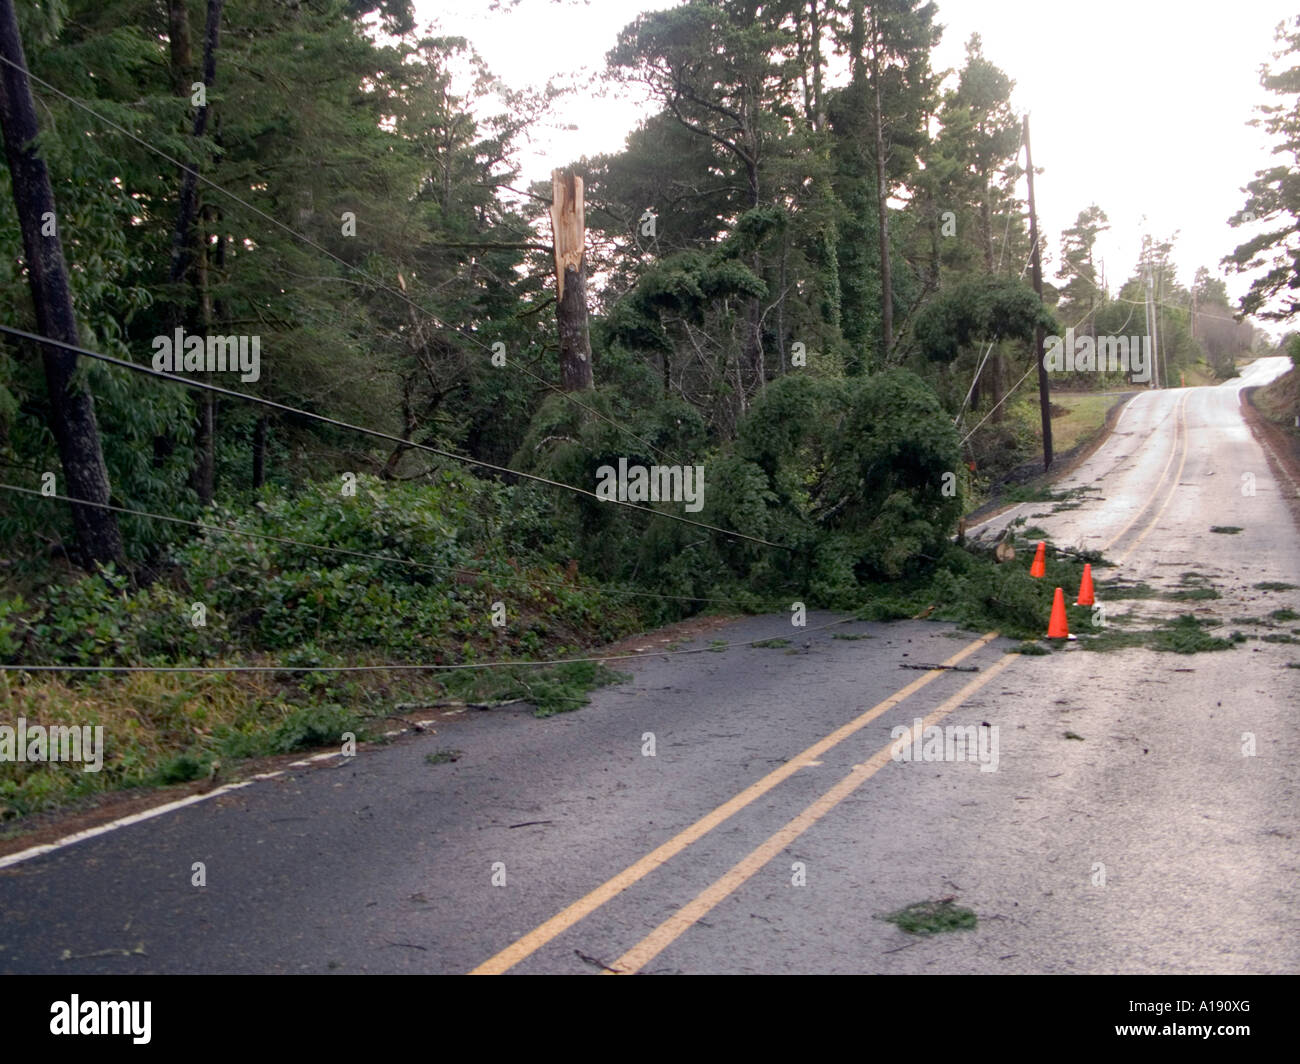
(442, 757)
(1276, 585)
(933, 917)
(1285, 615)
(851, 635)
(1183, 635)
(1199, 374)
(1084, 416)
(557, 689)
(771, 643)
(1192, 594)
(1226, 530)
(168, 728)
(1280, 400)
(1113, 590)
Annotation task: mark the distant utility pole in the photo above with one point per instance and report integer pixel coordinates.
(1151, 328)
(1044, 400)
(1156, 352)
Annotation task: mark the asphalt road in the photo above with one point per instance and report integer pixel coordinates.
(771, 827)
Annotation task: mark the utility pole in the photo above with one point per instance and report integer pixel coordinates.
(1151, 328)
(1044, 400)
(1159, 299)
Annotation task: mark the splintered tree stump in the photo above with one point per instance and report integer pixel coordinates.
(568, 222)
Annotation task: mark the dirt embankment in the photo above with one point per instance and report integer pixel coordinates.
(1279, 401)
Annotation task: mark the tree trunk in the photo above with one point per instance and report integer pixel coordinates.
(183, 242)
(72, 409)
(178, 34)
(754, 335)
(259, 453)
(201, 476)
(182, 75)
(882, 202)
(857, 38)
(780, 307)
(996, 371)
(819, 114)
(189, 180)
(568, 222)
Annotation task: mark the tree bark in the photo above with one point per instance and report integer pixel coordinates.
(259, 453)
(181, 242)
(72, 408)
(183, 237)
(568, 222)
(882, 200)
(203, 473)
(819, 113)
(178, 35)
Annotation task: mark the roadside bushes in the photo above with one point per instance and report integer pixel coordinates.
(258, 596)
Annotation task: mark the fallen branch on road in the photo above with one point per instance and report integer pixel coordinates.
(448, 704)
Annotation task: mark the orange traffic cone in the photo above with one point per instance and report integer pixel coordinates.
(1085, 587)
(1039, 568)
(1058, 627)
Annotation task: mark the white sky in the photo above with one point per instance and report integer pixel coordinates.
(1137, 105)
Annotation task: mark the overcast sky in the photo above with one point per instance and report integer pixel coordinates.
(1137, 105)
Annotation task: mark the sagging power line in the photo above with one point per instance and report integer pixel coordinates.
(376, 433)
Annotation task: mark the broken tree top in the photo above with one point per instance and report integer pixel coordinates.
(568, 223)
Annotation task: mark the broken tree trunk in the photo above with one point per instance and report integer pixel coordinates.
(72, 409)
(568, 223)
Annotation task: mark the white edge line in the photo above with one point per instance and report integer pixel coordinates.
(134, 818)
(148, 814)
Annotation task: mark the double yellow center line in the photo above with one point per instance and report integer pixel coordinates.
(1180, 433)
(668, 932)
(589, 903)
(671, 929)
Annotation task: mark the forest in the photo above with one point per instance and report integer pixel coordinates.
(807, 276)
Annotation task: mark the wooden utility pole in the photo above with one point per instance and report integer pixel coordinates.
(1044, 399)
(72, 409)
(569, 226)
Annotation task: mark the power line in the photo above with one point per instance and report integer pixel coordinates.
(394, 668)
(226, 530)
(377, 433)
(988, 350)
(323, 250)
(1032, 367)
(981, 421)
